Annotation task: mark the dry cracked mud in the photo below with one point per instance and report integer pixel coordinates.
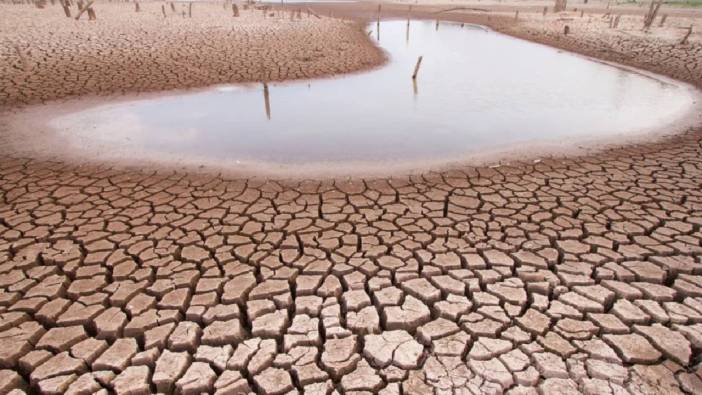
(558, 276)
(579, 275)
(46, 56)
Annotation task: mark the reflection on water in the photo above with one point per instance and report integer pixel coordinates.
(477, 90)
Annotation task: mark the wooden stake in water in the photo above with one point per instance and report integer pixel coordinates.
(136, 6)
(408, 24)
(163, 10)
(190, 9)
(416, 68)
(235, 10)
(266, 98)
(377, 24)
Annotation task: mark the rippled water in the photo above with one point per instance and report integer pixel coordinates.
(477, 91)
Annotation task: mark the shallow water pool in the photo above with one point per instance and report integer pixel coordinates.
(477, 91)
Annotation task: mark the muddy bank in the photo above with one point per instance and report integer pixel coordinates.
(45, 56)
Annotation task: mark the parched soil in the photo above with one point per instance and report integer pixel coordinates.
(46, 56)
(659, 49)
(576, 275)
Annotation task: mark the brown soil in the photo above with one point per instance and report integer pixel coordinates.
(46, 56)
(581, 274)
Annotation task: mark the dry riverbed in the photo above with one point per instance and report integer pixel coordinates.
(558, 275)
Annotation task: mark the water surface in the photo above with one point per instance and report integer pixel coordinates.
(477, 91)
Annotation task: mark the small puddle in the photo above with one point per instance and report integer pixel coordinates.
(477, 92)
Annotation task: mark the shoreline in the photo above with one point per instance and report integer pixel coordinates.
(44, 146)
(361, 14)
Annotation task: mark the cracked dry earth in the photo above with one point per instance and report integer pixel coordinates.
(46, 56)
(554, 277)
(562, 276)
(658, 49)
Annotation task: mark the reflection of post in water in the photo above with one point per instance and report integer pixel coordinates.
(266, 98)
(437, 25)
(414, 86)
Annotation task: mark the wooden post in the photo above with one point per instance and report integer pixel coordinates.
(516, 15)
(136, 6)
(416, 68)
(566, 30)
(173, 7)
(545, 11)
(651, 14)
(91, 14)
(163, 10)
(663, 18)
(235, 10)
(266, 98)
(378, 22)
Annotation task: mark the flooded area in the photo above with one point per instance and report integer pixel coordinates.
(477, 92)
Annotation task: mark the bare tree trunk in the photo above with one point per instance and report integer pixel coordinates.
(66, 10)
(651, 14)
(84, 8)
(687, 35)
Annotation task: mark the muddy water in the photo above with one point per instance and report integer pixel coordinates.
(477, 91)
